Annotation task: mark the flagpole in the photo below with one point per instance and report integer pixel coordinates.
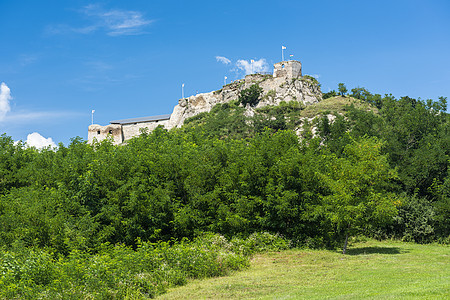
(93, 111)
(182, 91)
(225, 80)
(282, 53)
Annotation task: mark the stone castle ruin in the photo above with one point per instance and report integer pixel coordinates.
(286, 84)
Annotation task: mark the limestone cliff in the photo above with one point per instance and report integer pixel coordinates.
(303, 89)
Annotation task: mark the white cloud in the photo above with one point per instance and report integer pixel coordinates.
(36, 140)
(223, 60)
(5, 97)
(258, 66)
(115, 22)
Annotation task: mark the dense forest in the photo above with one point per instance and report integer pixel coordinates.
(380, 169)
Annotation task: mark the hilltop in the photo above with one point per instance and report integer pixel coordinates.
(286, 84)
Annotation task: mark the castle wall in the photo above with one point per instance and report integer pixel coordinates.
(131, 130)
(99, 133)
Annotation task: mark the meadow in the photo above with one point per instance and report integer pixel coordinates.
(370, 270)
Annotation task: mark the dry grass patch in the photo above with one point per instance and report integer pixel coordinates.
(335, 105)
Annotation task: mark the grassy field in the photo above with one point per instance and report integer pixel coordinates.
(370, 270)
(334, 105)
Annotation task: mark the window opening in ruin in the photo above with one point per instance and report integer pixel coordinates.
(110, 131)
(282, 66)
(98, 131)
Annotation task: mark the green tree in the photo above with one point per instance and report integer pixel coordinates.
(251, 95)
(417, 140)
(342, 89)
(357, 188)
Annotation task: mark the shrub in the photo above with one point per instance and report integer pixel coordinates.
(251, 95)
(118, 272)
(415, 220)
(330, 94)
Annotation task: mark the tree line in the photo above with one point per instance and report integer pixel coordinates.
(382, 174)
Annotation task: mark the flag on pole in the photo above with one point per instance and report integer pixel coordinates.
(283, 48)
(291, 55)
(93, 111)
(182, 85)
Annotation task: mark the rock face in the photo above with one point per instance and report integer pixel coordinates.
(286, 84)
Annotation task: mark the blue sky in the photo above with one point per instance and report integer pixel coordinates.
(59, 60)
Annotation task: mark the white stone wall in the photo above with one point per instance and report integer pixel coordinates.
(121, 133)
(131, 130)
(99, 133)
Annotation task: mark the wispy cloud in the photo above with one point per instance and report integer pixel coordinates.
(248, 67)
(316, 76)
(117, 22)
(114, 22)
(99, 66)
(64, 29)
(5, 97)
(27, 59)
(223, 60)
(33, 116)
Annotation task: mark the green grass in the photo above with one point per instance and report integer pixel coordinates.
(334, 105)
(370, 270)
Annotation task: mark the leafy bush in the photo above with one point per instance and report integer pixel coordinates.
(251, 95)
(312, 79)
(259, 242)
(330, 94)
(415, 220)
(118, 271)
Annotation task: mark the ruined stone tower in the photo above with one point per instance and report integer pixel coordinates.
(288, 69)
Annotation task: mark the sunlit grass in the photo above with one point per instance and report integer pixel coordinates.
(370, 270)
(334, 105)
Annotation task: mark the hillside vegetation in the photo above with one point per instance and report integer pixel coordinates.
(379, 169)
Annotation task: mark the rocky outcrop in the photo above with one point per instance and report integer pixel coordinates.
(303, 89)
